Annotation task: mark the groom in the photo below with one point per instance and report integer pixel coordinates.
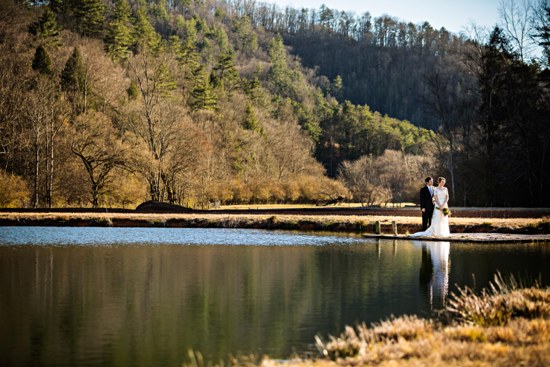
(426, 203)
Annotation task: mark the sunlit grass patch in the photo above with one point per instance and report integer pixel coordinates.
(496, 305)
(505, 325)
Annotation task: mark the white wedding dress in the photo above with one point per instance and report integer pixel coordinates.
(440, 222)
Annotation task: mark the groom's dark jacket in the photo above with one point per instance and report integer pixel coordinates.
(426, 199)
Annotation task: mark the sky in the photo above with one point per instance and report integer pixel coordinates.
(454, 15)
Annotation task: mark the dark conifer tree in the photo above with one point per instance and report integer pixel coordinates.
(73, 75)
(133, 91)
(513, 129)
(41, 61)
(74, 82)
(47, 29)
(58, 6)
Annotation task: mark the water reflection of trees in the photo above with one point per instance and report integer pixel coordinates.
(434, 271)
(153, 303)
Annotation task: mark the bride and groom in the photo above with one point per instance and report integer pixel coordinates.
(435, 209)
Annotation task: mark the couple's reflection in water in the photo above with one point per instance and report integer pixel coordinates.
(434, 271)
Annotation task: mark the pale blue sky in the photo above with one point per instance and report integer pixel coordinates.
(454, 15)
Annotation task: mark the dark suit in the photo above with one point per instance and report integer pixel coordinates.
(426, 202)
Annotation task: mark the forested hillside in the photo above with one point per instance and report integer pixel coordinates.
(113, 103)
(486, 97)
(384, 63)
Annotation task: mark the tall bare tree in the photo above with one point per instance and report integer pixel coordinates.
(95, 142)
(44, 118)
(156, 120)
(516, 20)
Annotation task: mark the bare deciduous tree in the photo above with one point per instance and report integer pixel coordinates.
(516, 18)
(44, 114)
(95, 142)
(373, 180)
(159, 124)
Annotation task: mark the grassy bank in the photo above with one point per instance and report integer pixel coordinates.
(356, 223)
(504, 326)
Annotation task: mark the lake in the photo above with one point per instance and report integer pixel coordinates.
(146, 296)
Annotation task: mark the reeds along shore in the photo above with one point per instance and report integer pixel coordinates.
(343, 223)
(505, 325)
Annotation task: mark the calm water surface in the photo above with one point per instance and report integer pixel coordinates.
(145, 296)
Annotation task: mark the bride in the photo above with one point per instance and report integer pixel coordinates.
(440, 220)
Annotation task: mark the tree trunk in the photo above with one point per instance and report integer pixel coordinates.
(452, 165)
(51, 174)
(47, 193)
(36, 168)
(95, 195)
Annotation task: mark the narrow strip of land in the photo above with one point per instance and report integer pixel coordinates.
(356, 223)
(469, 237)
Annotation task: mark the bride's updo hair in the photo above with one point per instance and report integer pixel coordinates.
(439, 179)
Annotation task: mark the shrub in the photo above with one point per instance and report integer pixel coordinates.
(497, 305)
(353, 342)
(14, 191)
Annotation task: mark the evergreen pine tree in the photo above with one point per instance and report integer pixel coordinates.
(165, 83)
(280, 80)
(90, 15)
(74, 81)
(219, 35)
(47, 29)
(255, 91)
(144, 34)
(225, 72)
(250, 120)
(41, 61)
(204, 97)
(158, 10)
(132, 91)
(119, 32)
(247, 39)
(253, 87)
(58, 6)
(73, 74)
(338, 88)
(188, 55)
(189, 37)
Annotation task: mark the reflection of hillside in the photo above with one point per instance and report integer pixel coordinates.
(152, 303)
(434, 271)
(225, 297)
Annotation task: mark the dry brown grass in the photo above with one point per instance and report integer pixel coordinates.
(453, 339)
(522, 338)
(283, 221)
(501, 302)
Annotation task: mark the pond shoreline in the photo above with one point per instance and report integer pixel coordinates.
(276, 220)
(505, 326)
